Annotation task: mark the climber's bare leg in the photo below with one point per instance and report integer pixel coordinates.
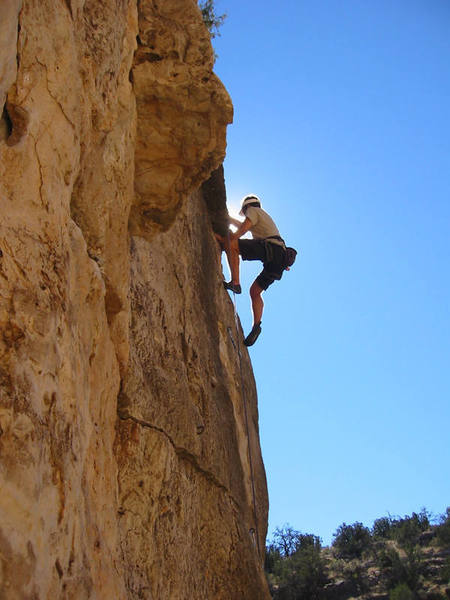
(257, 302)
(231, 247)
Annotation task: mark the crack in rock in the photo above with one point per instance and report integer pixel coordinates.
(182, 453)
(57, 102)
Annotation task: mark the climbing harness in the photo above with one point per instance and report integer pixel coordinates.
(290, 254)
(237, 346)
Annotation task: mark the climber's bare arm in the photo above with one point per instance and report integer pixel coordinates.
(242, 229)
(234, 221)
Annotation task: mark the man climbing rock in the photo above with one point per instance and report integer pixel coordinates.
(266, 246)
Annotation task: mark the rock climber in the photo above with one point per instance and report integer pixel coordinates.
(266, 246)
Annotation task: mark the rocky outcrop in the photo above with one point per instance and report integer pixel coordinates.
(130, 464)
(182, 108)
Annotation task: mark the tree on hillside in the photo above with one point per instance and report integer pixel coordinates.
(350, 541)
(443, 529)
(295, 567)
(286, 540)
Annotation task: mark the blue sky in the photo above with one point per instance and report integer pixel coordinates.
(342, 127)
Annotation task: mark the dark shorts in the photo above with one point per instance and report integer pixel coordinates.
(272, 258)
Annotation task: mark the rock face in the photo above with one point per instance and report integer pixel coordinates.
(130, 464)
(182, 448)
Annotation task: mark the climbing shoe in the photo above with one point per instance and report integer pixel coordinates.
(233, 287)
(253, 335)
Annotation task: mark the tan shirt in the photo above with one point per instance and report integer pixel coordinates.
(263, 225)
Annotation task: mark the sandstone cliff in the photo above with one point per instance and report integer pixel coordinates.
(130, 464)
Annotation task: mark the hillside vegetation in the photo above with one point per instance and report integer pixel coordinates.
(397, 559)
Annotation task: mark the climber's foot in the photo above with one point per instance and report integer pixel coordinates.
(233, 287)
(253, 335)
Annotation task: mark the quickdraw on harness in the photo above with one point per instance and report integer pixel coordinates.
(290, 254)
(285, 261)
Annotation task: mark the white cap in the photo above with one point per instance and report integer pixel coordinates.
(248, 200)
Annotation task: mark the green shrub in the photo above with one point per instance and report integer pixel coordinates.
(444, 574)
(382, 527)
(294, 565)
(407, 568)
(303, 576)
(308, 540)
(350, 541)
(443, 530)
(407, 530)
(210, 18)
(401, 592)
(271, 559)
(354, 572)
